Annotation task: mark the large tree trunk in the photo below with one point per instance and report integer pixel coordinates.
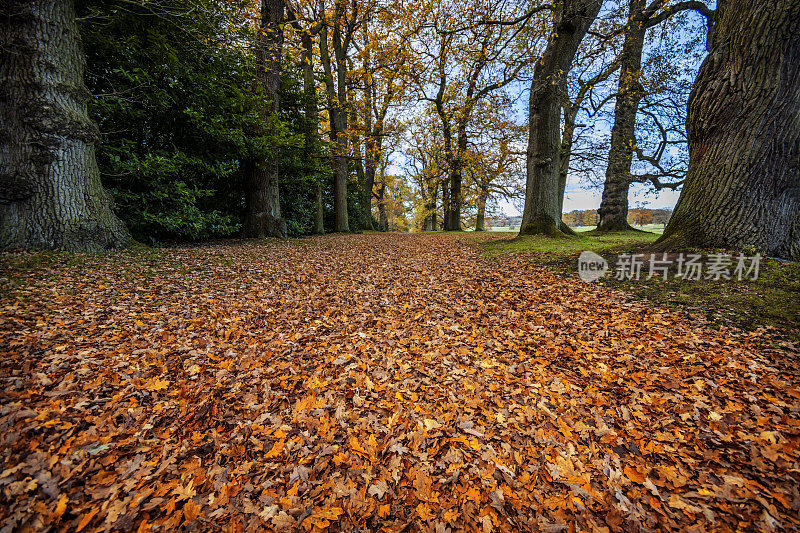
(743, 184)
(480, 218)
(50, 191)
(311, 138)
(336, 91)
(341, 173)
(541, 213)
(369, 184)
(434, 214)
(263, 211)
(370, 152)
(383, 218)
(614, 205)
(454, 218)
(445, 203)
(430, 191)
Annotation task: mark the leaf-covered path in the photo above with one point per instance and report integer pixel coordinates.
(377, 382)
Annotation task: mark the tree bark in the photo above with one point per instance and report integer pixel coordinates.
(337, 102)
(454, 219)
(614, 205)
(434, 192)
(445, 203)
(370, 153)
(262, 197)
(311, 138)
(743, 184)
(50, 190)
(480, 218)
(430, 193)
(541, 213)
(383, 218)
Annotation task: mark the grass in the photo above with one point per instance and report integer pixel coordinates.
(561, 249)
(773, 300)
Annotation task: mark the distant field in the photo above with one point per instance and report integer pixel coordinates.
(652, 228)
(506, 229)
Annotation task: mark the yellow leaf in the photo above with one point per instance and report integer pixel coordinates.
(424, 512)
(156, 384)
(61, 506)
(356, 446)
(276, 450)
(431, 424)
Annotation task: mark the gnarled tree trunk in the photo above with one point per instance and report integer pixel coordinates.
(263, 214)
(541, 213)
(50, 191)
(743, 184)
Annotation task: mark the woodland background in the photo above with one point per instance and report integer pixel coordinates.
(177, 100)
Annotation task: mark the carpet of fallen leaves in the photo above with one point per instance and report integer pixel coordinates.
(378, 382)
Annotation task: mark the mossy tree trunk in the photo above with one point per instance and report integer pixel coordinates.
(50, 191)
(743, 183)
(263, 212)
(541, 213)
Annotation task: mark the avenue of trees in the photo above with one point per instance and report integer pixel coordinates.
(126, 120)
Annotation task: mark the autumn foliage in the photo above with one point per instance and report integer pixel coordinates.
(378, 383)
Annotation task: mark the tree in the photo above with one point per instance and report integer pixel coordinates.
(427, 168)
(492, 164)
(386, 78)
(178, 105)
(262, 192)
(467, 63)
(50, 190)
(311, 137)
(573, 106)
(641, 16)
(743, 183)
(572, 20)
(342, 24)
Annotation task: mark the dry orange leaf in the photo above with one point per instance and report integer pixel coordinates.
(633, 474)
(61, 506)
(190, 511)
(86, 518)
